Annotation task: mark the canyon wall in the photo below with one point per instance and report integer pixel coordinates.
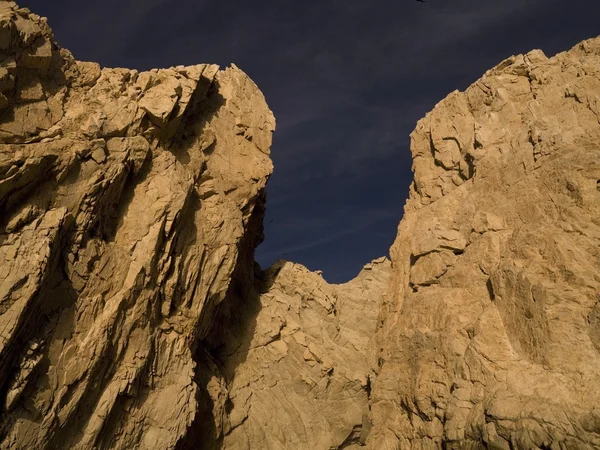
(133, 315)
(490, 335)
(128, 203)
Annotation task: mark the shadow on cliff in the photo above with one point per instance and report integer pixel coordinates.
(204, 104)
(233, 321)
(229, 340)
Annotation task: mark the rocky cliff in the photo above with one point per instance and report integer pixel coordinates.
(133, 315)
(130, 205)
(298, 361)
(491, 327)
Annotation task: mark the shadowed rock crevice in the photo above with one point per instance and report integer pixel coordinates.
(237, 311)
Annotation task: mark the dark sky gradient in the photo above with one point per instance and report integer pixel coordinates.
(347, 81)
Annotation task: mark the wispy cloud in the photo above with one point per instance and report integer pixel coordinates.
(325, 233)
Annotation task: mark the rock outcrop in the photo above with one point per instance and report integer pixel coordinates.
(490, 326)
(133, 315)
(128, 202)
(298, 361)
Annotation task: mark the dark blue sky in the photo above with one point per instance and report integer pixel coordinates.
(347, 81)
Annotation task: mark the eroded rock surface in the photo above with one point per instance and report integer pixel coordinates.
(490, 326)
(127, 200)
(132, 315)
(298, 367)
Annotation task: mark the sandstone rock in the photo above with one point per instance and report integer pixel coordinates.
(298, 366)
(112, 256)
(489, 335)
(133, 315)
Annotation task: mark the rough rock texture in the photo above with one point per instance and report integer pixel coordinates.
(298, 364)
(132, 315)
(491, 325)
(127, 201)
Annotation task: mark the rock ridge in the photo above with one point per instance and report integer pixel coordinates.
(133, 315)
(489, 335)
(127, 199)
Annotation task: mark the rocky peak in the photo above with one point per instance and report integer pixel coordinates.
(133, 315)
(489, 333)
(127, 202)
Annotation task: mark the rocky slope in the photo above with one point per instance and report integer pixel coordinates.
(133, 315)
(491, 325)
(128, 202)
(298, 361)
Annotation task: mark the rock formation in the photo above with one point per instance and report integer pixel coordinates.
(490, 335)
(299, 361)
(128, 203)
(133, 315)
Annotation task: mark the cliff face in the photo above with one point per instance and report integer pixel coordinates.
(491, 324)
(299, 363)
(133, 316)
(127, 202)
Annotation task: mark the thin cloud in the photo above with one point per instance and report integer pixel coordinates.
(358, 223)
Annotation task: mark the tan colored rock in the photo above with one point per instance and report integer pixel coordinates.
(490, 330)
(113, 256)
(297, 361)
(132, 315)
